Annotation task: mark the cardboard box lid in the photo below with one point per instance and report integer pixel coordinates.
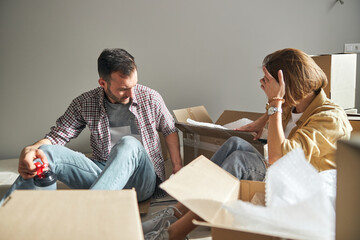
(189, 186)
(200, 114)
(229, 116)
(71, 214)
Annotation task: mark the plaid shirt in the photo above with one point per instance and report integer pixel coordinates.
(151, 114)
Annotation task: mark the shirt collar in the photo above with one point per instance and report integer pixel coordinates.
(319, 100)
(134, 100)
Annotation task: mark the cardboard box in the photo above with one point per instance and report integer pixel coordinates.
(205, 140)
(354, 121)
(348, 196)
(71, 214)
(340, 70)
(203, 187)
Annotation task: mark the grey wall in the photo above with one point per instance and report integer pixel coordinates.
(194, 52)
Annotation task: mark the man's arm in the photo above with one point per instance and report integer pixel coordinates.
(172, 143)
(26, 167)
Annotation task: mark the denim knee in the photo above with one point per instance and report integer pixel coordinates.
(128, 142)
(236, 140)
(48, 150)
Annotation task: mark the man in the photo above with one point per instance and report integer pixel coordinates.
(124, 118)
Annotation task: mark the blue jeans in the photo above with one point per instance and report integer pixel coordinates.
(241, 159)
(128, 166)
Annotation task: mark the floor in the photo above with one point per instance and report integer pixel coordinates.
(200, 233)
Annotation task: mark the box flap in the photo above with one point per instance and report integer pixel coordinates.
(249, 188)
(187, 186)
(229, 116)
(198, 113)
(204, 131)
(71, 214)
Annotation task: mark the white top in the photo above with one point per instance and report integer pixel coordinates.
(292, 123)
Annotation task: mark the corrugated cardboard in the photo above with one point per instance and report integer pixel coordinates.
(203, 187)
(348, 194)
(204, 140)
(70, 214)
(340, 70)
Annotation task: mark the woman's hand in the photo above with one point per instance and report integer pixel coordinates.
(271, 87)
(257, 126)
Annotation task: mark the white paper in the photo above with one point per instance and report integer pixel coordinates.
(204, 124)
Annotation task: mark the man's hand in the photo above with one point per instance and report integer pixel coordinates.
(27, 167)
(176, 168)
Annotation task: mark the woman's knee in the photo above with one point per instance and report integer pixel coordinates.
(233, 140)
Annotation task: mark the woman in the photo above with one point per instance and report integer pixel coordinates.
(298, 114)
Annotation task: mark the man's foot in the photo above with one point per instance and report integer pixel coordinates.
(155, 223)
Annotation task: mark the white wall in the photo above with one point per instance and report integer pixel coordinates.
(194, 52)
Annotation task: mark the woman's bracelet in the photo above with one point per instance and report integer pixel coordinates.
(273, 99)
(276, 99)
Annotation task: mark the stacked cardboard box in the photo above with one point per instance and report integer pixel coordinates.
(340, 70)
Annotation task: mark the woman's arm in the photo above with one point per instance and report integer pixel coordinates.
(275, 91)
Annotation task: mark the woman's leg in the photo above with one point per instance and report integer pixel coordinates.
(241, 159)
(245, 165)
(231, 145)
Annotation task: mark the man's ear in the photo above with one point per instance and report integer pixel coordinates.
(102, 83)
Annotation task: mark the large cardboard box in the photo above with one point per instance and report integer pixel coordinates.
(340, 70)
(205, 140)
(348, 194)
(203, 187)
(70, 214)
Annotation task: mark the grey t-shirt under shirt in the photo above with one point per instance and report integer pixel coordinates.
(122, 122)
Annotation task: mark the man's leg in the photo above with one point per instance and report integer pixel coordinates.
(128, 167)
(19, 183)
(71, 167)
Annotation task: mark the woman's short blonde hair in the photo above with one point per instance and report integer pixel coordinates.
(301, 74)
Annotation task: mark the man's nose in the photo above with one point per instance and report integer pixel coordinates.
(130, 93)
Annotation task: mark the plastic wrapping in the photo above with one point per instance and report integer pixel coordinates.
(299, 202)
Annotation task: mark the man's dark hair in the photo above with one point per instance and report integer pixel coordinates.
(115, 60)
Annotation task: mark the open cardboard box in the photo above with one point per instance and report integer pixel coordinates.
(71, 214)
(205, 140)
(203, 187)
